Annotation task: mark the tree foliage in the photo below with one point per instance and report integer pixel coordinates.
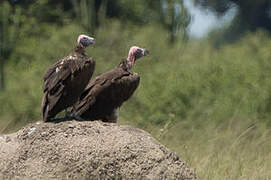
(251, 15)
(89, 14)
(9, 22)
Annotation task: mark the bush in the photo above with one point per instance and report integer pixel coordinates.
(193, 81)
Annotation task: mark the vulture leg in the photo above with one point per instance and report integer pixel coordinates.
(73, 115)
(70, 116)
(78, 118)
(113, 117)
(56, 120)
(67, 117)
(67, 114)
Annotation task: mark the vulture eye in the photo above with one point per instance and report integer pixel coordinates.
(139, 51)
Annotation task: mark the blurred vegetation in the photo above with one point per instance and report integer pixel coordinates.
(210, 105)
(251, 15)
(8, 36)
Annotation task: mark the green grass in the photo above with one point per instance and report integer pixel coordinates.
(210, 105)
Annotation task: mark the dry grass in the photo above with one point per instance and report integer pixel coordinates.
(240, 151)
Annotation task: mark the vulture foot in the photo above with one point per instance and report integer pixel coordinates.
(68, 114)
(78, 118)
(66, 118)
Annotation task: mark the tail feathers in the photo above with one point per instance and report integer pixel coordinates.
(46, 117)
(45, 108)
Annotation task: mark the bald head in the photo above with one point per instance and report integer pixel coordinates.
(136, 52)
(84, 40)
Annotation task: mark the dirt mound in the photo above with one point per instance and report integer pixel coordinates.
(87, 150)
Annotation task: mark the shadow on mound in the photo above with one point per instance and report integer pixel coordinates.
(87, 150)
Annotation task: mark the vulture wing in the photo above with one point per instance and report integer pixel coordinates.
(63, 84)
(106, 93)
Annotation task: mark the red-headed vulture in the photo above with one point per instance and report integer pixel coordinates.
(105, 94)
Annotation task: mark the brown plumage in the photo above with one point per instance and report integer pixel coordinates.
(106, 93)
(65, 80)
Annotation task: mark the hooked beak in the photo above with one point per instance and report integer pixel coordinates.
(92, 41)
(145, 52)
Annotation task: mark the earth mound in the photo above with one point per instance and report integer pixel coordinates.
(87, 150)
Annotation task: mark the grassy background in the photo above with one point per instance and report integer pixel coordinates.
(210, 105)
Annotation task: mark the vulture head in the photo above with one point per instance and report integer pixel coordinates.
(84, 40)
(136, 53)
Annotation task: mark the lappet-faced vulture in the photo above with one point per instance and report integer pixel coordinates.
(106, 93)
(66, 80)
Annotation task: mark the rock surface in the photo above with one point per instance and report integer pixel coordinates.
(87, 150)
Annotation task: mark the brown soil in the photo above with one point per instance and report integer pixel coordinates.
(87, 150)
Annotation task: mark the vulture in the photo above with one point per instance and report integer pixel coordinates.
(66, 80)
(105, 94)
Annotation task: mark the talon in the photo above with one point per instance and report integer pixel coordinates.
(78, 118)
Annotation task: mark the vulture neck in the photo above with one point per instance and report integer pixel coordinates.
(79, 51)
(127, 64)
(131, 61)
